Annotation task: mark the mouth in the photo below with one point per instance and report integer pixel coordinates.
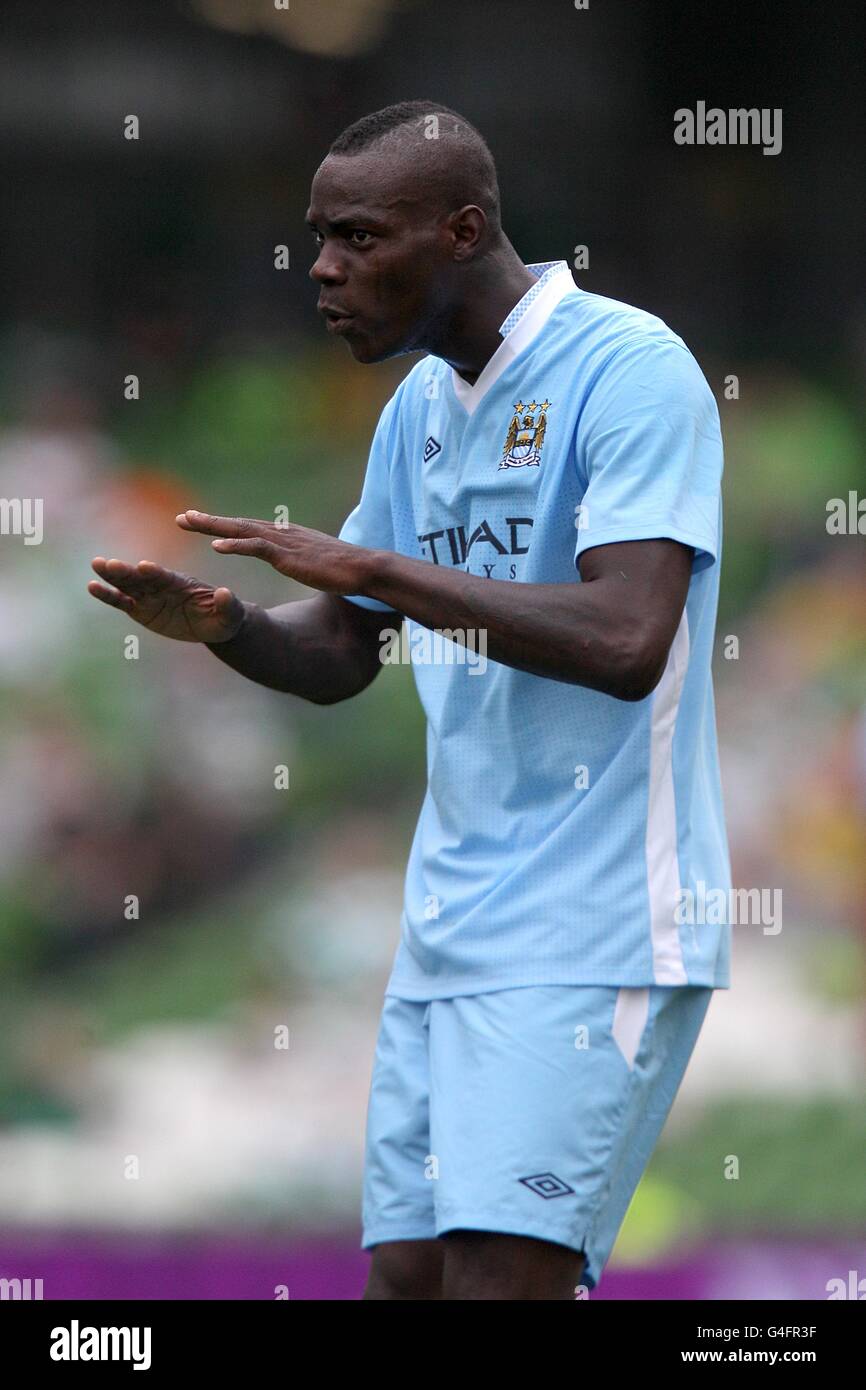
(335, 320)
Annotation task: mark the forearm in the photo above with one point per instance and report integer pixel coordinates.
(301, 648)
(582, 634)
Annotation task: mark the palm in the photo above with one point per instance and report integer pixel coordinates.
(168, 603)
(183, 611)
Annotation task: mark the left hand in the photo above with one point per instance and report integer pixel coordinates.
(311, 557)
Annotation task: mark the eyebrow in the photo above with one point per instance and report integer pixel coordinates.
(344, 223)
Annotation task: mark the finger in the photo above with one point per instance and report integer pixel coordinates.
(108, 568)
(118, 573)
(110, 596)
(221, 525)
(257, 545)
(149, 569)
(150, 578)
(132, 579)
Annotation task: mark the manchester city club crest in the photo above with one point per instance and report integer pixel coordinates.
(522, 448)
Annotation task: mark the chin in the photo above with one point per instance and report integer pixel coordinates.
(367, 352)
(362, 352)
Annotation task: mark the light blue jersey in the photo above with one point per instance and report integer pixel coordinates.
(560, 825)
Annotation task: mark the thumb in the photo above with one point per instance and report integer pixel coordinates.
(229, 609)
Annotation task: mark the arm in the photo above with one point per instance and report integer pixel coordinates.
(649, 450)
(649, 446)
(612, 632)
(323, 649)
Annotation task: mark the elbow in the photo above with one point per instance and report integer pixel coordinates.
(638, 666)
(336, 694)
(332, 696)
(636, 687)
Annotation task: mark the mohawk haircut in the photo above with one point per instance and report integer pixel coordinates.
(448, 151)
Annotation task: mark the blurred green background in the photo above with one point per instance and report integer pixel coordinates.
(153, 1035)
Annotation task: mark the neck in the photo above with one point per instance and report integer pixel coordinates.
(468, 335)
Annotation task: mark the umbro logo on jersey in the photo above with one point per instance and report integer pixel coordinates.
(547, 1185)
(431, 448)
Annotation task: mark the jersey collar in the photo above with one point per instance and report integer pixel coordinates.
(524, 321)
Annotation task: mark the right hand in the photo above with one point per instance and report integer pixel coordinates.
(168, 603)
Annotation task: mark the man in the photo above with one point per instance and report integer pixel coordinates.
(547, 476)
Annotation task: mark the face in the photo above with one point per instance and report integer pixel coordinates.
(383, 256)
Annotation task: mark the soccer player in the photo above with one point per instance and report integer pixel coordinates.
(545, 479)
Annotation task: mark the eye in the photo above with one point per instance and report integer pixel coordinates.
(359, 232)
(317, 236)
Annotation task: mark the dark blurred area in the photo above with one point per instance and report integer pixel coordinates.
(164, 908)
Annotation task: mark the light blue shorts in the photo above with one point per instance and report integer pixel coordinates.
(530, 1111)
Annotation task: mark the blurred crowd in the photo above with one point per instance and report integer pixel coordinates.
(165, 907)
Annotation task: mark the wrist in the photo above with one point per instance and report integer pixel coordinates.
(245, 621)
(243, 627)
(374, 571)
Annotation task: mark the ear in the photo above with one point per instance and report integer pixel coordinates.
(467, 228)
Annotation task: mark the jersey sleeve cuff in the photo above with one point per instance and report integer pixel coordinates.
(373, 603)
(704, 545)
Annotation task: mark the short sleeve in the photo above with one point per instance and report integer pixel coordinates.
(370, 524)
(649, 447)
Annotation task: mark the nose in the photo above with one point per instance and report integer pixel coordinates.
(326, 269)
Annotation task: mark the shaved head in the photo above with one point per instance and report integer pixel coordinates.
(437, 157)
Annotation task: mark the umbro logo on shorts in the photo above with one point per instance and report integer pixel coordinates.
(547, 1185)
(431, 448)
